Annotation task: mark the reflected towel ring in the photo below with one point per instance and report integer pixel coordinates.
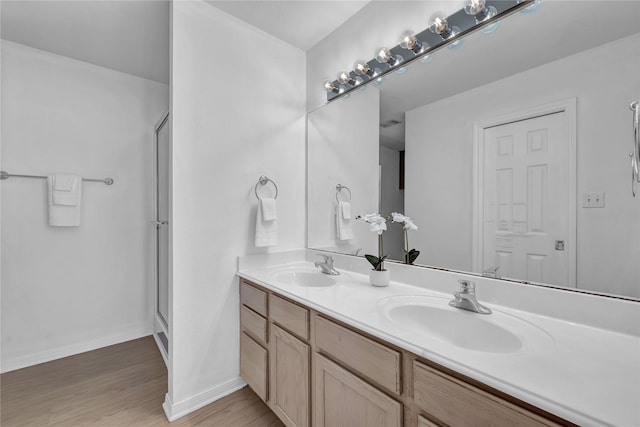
(263, 180)
(339, 188)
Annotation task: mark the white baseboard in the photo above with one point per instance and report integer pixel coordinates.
(175, 411)
(11, 364)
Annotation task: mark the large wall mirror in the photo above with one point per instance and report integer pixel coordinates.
(510, 153)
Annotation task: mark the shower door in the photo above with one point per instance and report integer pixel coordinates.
(162, 160)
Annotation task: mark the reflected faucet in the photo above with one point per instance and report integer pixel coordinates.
(491, 272)
(327, 266)
(465, 299)
(356, 252)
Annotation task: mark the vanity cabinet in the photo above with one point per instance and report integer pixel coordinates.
(314, 370)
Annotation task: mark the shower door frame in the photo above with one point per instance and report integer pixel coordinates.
(161, 323)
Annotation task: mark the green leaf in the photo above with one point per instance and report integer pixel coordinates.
(412, 255)
(373, 260)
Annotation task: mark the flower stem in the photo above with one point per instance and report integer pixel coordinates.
(380, 251)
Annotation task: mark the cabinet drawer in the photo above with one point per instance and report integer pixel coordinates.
(290, 316)
(457, 403)
(375, 361)
(254, 324)
(254, 365)
(253, 298)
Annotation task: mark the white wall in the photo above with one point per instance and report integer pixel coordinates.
(236, 114)
(342, 148)
(604, 80)
(71, 289)
(392, 200)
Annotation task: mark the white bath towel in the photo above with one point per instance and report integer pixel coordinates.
(343, 225)
(64, 194)
(65, 189)
(345, 210)
(269, 211)
(266, 231)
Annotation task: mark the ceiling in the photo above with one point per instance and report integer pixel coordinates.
(128, 36)
(300, 23)
(132, 36)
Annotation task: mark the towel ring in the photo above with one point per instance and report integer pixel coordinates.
(339, 188)
(263, 180)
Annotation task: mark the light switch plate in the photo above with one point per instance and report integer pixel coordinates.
(593, 200)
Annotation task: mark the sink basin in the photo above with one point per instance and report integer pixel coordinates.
(313, 279)
(432, 317)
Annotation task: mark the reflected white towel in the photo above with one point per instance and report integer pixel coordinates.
(64, 197)
(266, 231)
(269, 211)
(345, 210)
(343, 225)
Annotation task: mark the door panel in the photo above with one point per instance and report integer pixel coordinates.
(525, 187)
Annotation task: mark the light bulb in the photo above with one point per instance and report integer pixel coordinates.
(330, 87)
(474, 7)
(363, 69)
(410, 42)
(479, 10)
(384, 56)
(345, 78)
(439, 26)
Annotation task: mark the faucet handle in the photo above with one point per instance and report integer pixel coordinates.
(467, 286)
(327, 258)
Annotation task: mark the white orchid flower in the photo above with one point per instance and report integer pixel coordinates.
(405, 220)
(378, 223)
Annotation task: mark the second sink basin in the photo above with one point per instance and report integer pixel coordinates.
(306, 278)
(498, 332)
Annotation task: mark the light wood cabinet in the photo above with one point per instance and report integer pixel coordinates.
(375, 361)
(253, 365)
(290, 378)
(314, 370)
(344, 400)
(455, 402)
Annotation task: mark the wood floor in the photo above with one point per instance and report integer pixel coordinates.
(120, 385)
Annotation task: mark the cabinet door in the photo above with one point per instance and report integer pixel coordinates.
(253, 365)
(342, 399)
(290, 378)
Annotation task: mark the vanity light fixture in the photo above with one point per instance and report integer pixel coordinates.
(477, 15)
(330, 87)
(410, 42)
(441, 27)
(345, 78)
(384, 56)
(481, 12)
(363, 69)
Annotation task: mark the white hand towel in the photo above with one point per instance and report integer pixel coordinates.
(269, 211)
(266, 231)
(65, 189)
(343, 226)
(345, 210)
(64, 209)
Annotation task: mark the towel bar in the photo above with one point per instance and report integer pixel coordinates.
(6, 175)
(263, 180)
(341, 187)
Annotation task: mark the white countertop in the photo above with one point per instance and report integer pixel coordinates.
(585, 374)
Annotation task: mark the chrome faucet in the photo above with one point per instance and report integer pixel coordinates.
(327, 266)
(465, 299)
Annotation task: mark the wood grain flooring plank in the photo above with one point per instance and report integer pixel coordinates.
(120, 385)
